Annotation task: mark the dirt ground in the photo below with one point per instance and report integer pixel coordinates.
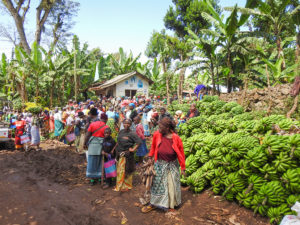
(49, 187)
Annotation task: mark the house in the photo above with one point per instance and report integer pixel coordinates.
(129, 84)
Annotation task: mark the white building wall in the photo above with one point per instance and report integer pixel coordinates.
(133, 83)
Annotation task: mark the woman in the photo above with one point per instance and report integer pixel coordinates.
(113, 117)
(51, 122)
(193, 112)
(94, 139)
(80, 126)
(58, 124)
(20, 128)
(167, 150)
(127, 143)
(46, 124)
(179, 118)
(35, 132)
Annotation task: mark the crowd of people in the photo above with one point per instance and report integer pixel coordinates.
(115, 129)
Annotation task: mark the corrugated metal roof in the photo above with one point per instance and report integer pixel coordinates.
(118, 79)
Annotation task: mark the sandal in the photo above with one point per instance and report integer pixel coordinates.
(148, 208)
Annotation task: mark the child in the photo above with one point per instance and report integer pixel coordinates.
(108, 148)
(142, 150)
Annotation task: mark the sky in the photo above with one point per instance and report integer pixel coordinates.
(113, 24)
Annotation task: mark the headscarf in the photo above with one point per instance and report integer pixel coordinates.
(132, 105)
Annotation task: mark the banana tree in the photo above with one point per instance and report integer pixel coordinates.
(228, 34)
(3, 75)
(35, 64)
(277, 16)
(121, 63)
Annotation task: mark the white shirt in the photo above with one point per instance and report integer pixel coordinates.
(58, 116)
(70, 121)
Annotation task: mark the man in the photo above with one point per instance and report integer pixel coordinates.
(164, 113)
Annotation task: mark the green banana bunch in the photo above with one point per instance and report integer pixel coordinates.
(247, 125)
(272, 194)
(274, 144)
(191, 164)
(216, 154)
(245, 198)
(230, 163)
(255, 182)
(244, 117)
(294, 145)
(239, 147)
(208, 166)
(285, 124)
(219, 179)
(283, 162)
(229, 106)
(210, 98)
(201, 156)
(197, 180)
(276, 213)
(292, 199)
(291, 180)
(269, 172)
(234, 184)
(232, 125)
(245, 169)
(258, 205)
(237, 110)
(256, 157)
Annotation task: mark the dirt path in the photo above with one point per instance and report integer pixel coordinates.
(49, 187)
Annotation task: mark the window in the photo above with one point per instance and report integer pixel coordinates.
(130, 93)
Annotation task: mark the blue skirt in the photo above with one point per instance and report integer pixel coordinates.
(142, 150)
(94, 166)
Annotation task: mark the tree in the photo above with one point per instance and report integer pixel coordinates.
(274, 18)
(158, 47)
(187, 14)
(60, 21)
(227, 33)
(60, 11)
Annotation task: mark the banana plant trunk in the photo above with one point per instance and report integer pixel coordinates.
(24, 91)
(280, 52)
(51, 92)
(181, 81)
(229, 80)
(37, 91)
(167, 81)
(212, 76)
(75, 78)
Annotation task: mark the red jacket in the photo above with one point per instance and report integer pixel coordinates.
(177, 146)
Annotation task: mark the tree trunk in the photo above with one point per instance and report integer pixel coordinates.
(280, 52)
(212, 77)
(229, 80)
(75, 77)
(297, 54)
(288, 115)
(19, 21)
(167, 81)
(269, 92)
(51, 93)
(24, 91)
(40, 20)
(218, 77)
(37, 92)
(181, 81)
